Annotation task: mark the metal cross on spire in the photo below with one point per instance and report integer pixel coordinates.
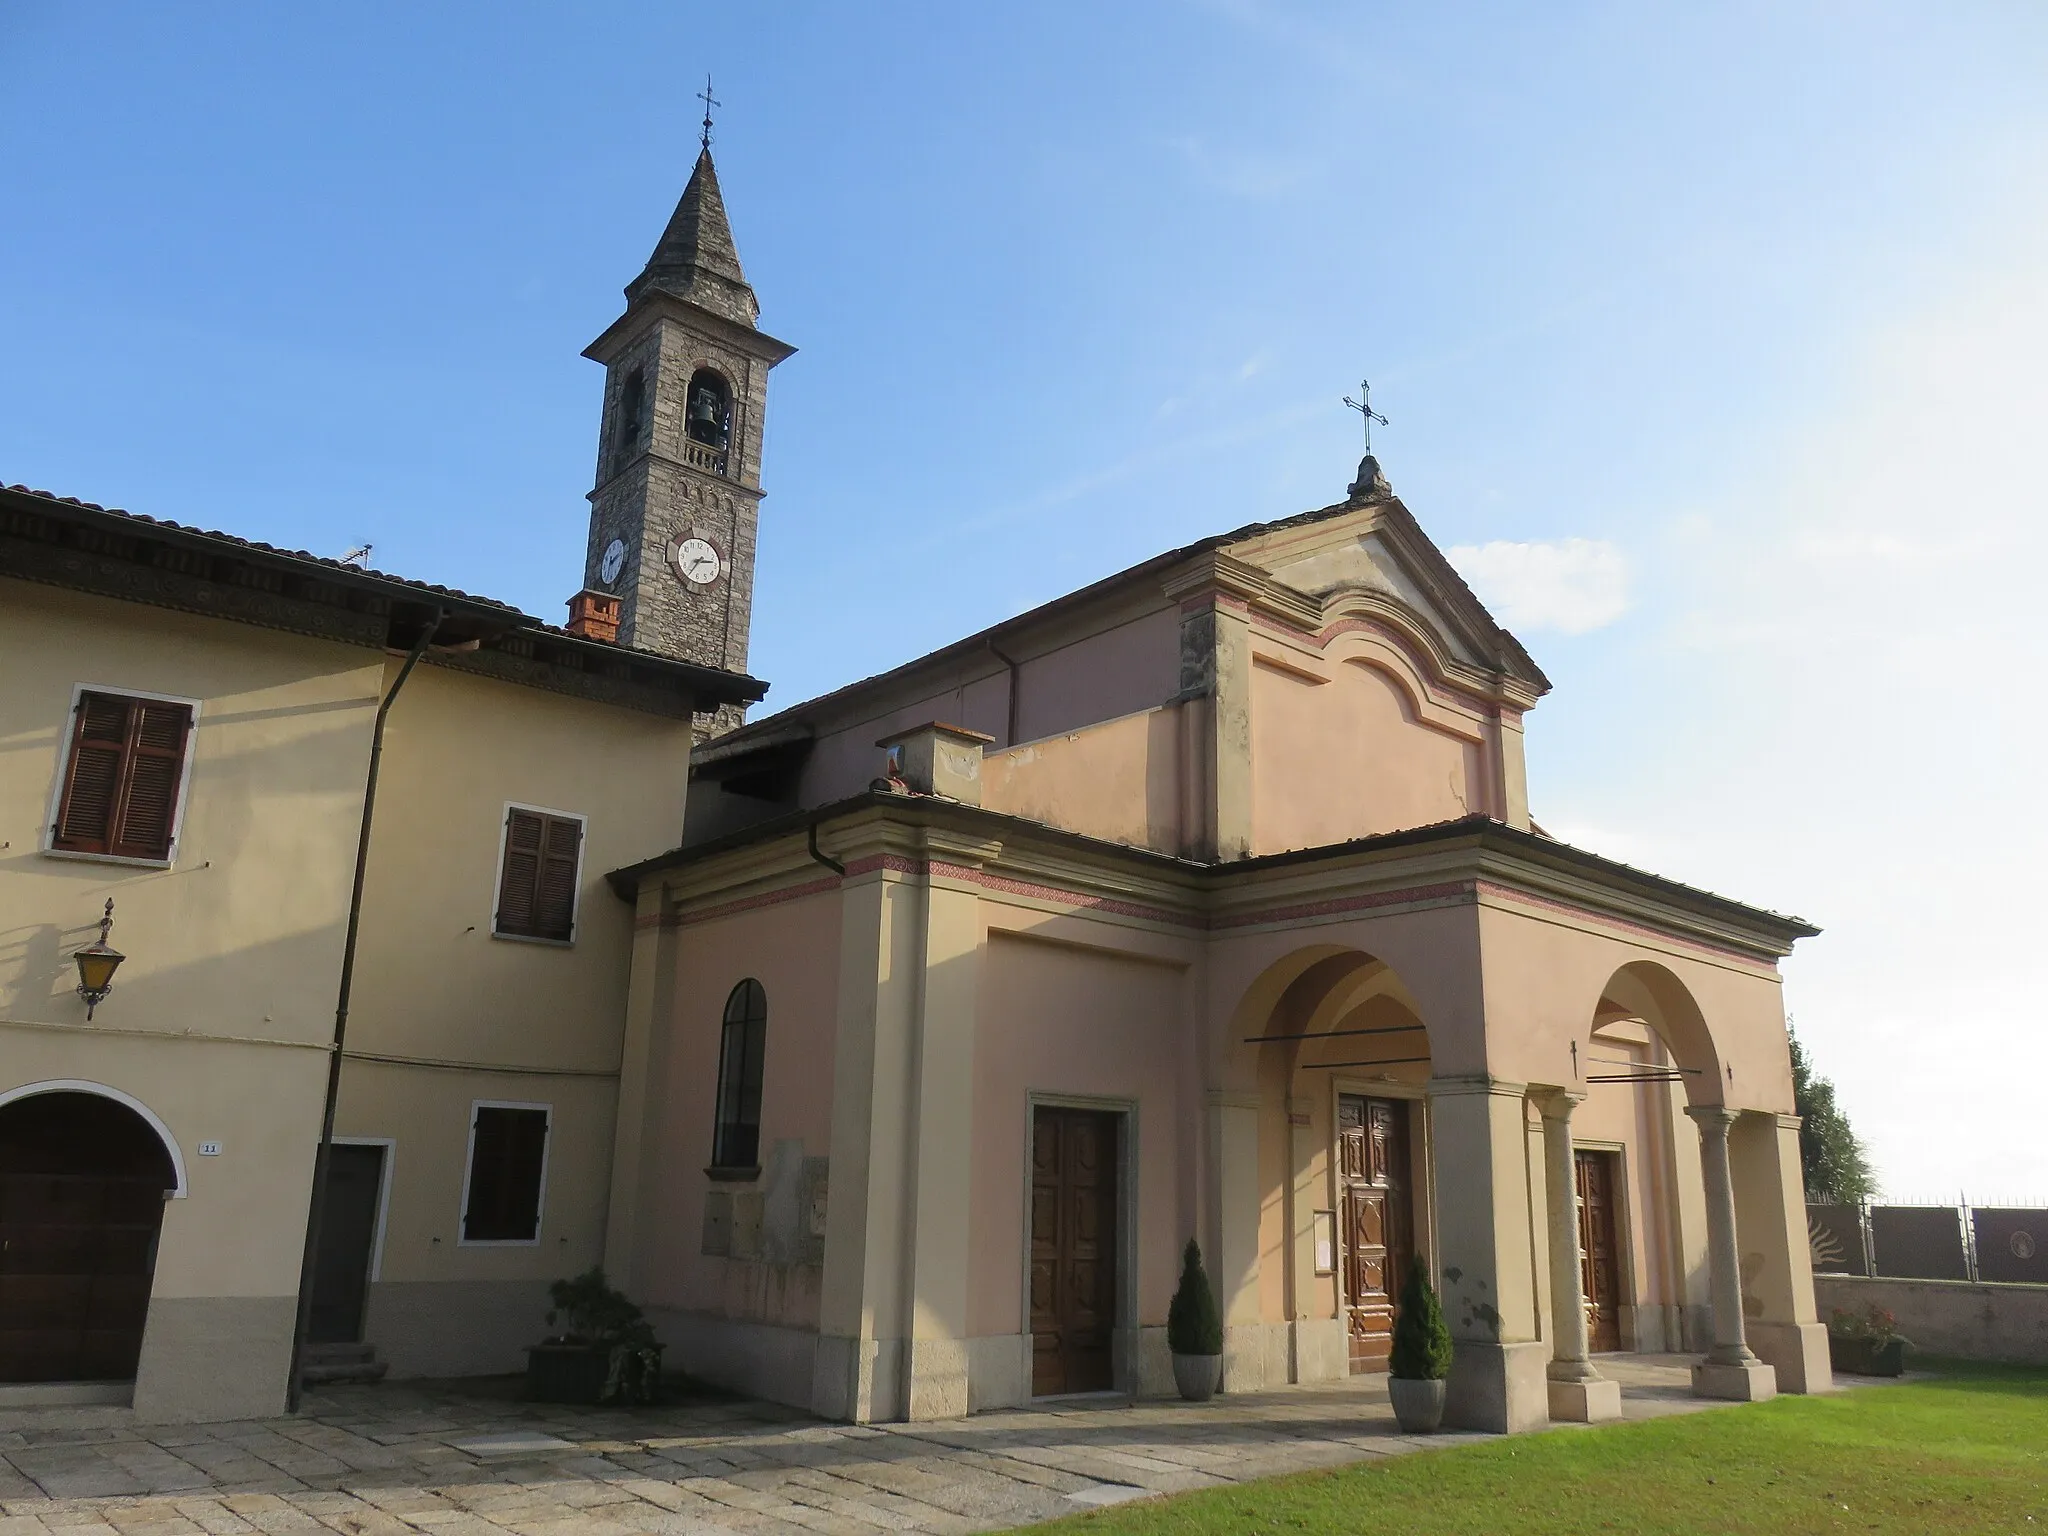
(709, 101)
(1363, 405)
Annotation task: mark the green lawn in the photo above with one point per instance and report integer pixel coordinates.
(1966, 1452)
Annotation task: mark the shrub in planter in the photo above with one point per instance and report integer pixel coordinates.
(1867, 1343)
(1194, 1330)
(1418, 1368)
(605, 1353)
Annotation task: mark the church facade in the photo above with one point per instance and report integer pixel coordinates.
(910, 1033)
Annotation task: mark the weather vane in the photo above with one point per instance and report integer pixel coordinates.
(1363, 405)
(709, 101)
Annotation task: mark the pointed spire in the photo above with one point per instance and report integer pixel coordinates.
(696, 258)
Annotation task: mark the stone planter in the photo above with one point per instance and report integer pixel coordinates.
(575, 1373)
(1866, 1357)
(1197, 1376)
(1419, 1405)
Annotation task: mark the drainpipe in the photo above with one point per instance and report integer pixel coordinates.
(823, 857)
(1010, 728)
(317, 1207)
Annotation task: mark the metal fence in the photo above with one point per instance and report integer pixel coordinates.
(2003, 1243)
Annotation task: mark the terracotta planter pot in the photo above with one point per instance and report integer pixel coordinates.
(1197, 1376)
(1866, 1357)
(1419, 1405)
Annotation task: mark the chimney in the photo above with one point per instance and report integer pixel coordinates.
(594, 616)
(936, 759)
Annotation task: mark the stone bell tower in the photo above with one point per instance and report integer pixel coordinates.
(673, 512)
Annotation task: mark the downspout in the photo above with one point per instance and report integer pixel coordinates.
(1010, 727)
(824, 858)
(316, 1208)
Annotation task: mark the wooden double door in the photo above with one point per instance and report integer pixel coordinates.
(1599, 1258)
(1377, 1217)
(1073, 1249)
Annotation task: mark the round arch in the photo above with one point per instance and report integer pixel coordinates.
(1650, 992)
(101, 1090)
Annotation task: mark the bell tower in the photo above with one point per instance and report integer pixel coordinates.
(674, 509)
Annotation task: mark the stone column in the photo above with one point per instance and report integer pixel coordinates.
(1730, 1369)
(1577, 1391)
(1784, 1327)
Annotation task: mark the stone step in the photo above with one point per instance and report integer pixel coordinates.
(329, 1364)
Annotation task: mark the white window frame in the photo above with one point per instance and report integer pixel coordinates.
(498, 876)
(385, 1180)
(49, 836)
(540, 1205)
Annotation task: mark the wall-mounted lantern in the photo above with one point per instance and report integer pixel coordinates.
(97, 963)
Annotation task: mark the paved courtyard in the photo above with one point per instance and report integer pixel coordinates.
(469, 1459)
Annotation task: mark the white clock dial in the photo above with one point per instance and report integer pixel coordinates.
(698, 562)
(614, 561)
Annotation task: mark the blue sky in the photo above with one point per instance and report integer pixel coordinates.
(1709, 341)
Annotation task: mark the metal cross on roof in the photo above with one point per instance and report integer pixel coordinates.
(1363, 405)
(709, 101)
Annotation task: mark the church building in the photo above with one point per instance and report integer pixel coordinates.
(905, 1036)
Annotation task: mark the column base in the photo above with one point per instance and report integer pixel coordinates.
(1585, 1402)
(1499, 1388)
(1753, 1383)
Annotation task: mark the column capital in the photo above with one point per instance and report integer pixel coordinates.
(1476, 1083)
(1557, 1103)
(1712, 1114)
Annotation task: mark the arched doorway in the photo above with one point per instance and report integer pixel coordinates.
(1341, 1058)
(83, 1179)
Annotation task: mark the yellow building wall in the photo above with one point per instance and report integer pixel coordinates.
(219, 1016)
(446, 1014)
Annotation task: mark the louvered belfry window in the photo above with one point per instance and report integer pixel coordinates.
(121, 784)
(537, 892)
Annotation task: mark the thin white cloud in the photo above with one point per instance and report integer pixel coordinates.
(1570, 585)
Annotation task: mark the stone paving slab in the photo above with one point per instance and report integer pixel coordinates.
(455, 1459)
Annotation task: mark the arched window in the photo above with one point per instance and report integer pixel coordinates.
(737, 1143)
(707, 410)
(632, 402)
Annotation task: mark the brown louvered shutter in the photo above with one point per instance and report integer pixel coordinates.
(525, 832)
(121, 787)
(156, 762)
(555, 906)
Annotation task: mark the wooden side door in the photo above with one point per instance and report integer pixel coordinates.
(1073, 1250)
(1599, 1264)
(348, 1231)
(1377, 1222)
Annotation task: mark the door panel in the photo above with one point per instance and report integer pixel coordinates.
(1377, 1222)
(1073, 1249)
(348, 1231)
(1599, 1266)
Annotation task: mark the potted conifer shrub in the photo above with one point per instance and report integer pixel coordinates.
(1419, 1368)
(1194, 1330)
(606, 1351)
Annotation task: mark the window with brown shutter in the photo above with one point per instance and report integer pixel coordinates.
(121, 782)
(537, 877)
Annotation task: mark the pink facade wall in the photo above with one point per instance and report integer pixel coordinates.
(1348, 758)
(1120, 781)
(1085, 1025)
(1131, 667)
(793, 950)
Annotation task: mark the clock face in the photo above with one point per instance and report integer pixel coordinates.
(614, 561)
(698, 563)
